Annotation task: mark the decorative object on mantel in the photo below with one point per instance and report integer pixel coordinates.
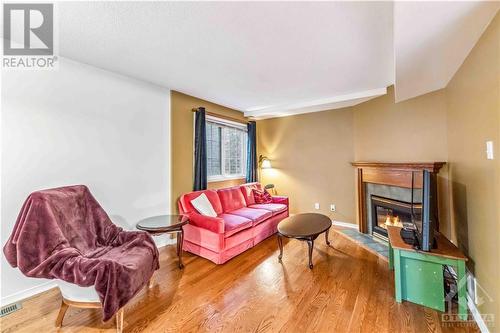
(399, 174)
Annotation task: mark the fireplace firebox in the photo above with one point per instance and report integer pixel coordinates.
(387, 212)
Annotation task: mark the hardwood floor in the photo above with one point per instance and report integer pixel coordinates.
(349, 290)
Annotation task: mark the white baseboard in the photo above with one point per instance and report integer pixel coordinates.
(477, 315)
(345, 224)
(30, 292)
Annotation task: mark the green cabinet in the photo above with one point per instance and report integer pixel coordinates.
(418, 276)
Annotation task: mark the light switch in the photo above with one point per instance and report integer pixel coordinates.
(489, 150)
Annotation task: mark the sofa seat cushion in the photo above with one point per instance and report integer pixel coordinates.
(254, 214)
(273, 207)
(234, 223)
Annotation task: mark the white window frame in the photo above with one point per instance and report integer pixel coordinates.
(229, 124)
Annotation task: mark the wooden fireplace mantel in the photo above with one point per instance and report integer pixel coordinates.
(407, 166)
(386, 173)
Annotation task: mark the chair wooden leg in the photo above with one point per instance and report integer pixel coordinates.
(150, 283)
(62, 312)
(119, 321)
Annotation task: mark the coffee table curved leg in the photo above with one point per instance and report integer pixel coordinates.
(180, 240)
(177, 250)
(280, 244)
(326, 237)
(310, 243)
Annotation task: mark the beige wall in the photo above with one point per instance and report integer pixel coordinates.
(473, 118)
(182, 141)
(310, 155)
(409, 131)
(225, 183)
(312, 151)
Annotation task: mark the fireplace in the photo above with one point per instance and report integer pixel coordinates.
(392, 181)
(386, 212)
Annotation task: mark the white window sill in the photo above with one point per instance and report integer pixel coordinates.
(222, 178)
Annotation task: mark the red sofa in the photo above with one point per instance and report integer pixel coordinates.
(240, 223)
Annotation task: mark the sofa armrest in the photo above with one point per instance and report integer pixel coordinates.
(280, 199)
(214, 224)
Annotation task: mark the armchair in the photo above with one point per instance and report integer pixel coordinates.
(64, 234)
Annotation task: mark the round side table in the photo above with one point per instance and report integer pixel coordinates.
(157, 225)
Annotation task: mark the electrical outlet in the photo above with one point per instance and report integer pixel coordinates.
(333, 208)
(489, 150)
(316, 205)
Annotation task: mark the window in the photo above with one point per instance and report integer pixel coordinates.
(226, 149)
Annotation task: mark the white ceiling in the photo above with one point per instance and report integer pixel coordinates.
(432, 40)
(239, 54)
(277, 58)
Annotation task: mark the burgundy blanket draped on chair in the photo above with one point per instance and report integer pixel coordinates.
(64, 233)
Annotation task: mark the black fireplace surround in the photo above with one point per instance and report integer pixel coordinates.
(386, 211)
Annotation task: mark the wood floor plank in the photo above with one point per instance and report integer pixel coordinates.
(350, 289)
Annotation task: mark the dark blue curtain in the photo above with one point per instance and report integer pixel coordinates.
(200, 151)
(252, 152)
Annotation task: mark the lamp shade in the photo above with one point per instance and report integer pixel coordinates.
(266, 164)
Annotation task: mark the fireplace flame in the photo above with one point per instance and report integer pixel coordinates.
(388, 220)
(392, 220)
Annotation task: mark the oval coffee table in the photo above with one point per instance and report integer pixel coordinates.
(161, 224)
(306, 227)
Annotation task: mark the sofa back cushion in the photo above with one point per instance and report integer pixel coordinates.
(231, 199)
(247, 190)
(185, 206)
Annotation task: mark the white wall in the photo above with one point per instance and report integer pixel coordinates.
(82, 125)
